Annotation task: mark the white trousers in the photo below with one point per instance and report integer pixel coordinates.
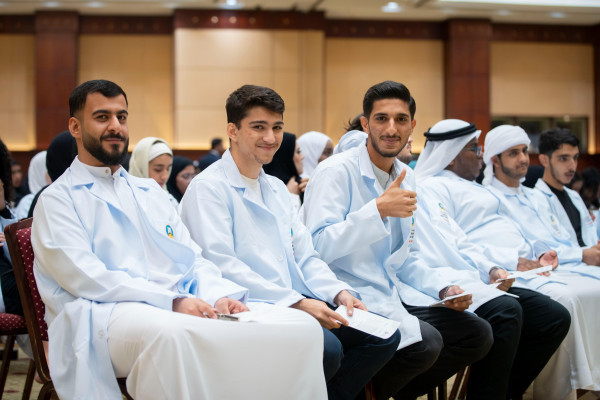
(576, 363)
(169, 355)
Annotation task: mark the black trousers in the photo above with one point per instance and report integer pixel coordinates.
(527, 331)
(451, 341)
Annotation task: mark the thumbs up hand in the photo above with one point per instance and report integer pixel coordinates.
(397, 202)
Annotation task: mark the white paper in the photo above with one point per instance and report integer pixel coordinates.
(455, 296)
(370, 323)
(529, 274)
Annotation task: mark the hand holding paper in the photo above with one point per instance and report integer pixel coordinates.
(529, 274)
(367, 322)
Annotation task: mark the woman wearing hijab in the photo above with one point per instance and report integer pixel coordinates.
(287, 166)
(37, 177)
(316, 147)
(182, 174)
(153, 158)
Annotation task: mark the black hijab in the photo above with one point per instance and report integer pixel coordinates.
(282, 165)
(179, 163)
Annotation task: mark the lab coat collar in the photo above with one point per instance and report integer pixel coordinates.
(543, 187)
(505, 189)
(82, 177)
(234, 178)
(366, 168)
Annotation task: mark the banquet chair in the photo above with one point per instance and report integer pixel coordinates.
(12, 325)
(18, 237)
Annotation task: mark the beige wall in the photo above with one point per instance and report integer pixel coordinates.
(353, 65)
(537, 79)
(212, 63)
(142, 65)
(17, 86)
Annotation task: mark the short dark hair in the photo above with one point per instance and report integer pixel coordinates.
(552, 139)
(388, 90)
(215, 142)
(79, 94)
(250, 96)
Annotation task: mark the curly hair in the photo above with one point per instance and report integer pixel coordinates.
(6, 172)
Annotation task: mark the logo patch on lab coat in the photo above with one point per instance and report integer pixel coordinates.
(443, 213)
(554, 224)
(411, 236)
(169, 231)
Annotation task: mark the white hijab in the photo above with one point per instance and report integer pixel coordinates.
(497, 140)
(349, 140)
(145, 151)
(37, 173)
(312, 145)
(436, 155)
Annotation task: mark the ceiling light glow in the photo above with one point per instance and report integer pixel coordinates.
(232, 4)
(391, 7)
(558, 15)
(51, 4)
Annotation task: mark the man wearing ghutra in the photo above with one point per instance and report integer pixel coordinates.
(575, 365)
(445, 174)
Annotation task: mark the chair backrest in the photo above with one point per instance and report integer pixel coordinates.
(18, 239)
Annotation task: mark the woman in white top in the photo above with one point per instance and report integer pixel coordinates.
(37, 178)
(153, 158)
(316, 147)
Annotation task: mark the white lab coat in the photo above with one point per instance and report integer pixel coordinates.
(361, 248)
(441, 244)
(589, 233)
(259, 246)
(469, 204)
(531, 210)
(89, 256)
(477, 211)
(575, 364)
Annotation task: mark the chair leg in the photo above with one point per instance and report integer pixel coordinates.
(442, 391)
(8, 349)
(431, 395)
(456, 385)
(46, 391)
(29, 380)
(463, 390)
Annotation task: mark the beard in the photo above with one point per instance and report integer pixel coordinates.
(112, 157)
(384, 153)
(511, 173)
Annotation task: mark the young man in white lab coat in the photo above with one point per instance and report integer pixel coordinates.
(559, 152)
(575, 365)
(241, 218)
(128, 294)
(362, 212)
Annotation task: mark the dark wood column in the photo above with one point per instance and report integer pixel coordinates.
(597, 86)
(467, 71)
(56, 39)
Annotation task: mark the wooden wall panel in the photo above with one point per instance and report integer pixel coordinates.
(467, 71)
(55, 71)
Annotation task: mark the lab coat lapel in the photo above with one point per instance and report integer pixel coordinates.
(181, 254)
(82, 177)
(234, 178)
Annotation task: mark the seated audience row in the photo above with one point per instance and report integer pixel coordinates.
(141, 273)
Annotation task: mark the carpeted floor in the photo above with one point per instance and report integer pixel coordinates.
(18, 371)
(16, 380)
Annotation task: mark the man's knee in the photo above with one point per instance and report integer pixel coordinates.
(333, 353)
(423, 354)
